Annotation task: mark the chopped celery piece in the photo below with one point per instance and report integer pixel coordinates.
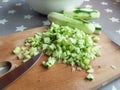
(51, 61)
(91, 70)
(73, 69)
(79, 68)
(90, 77)
(95, 38)
(20, 56)
(17, 50)
(98, 28)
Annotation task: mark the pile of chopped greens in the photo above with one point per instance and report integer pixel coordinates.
(63, 44)
(70, 40)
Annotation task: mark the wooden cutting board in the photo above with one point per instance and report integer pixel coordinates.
(60, 77)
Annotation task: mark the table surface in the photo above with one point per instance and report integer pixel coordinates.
(17, 16)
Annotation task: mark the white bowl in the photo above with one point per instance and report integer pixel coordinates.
(46, 6)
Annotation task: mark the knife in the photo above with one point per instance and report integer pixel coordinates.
(13, 75)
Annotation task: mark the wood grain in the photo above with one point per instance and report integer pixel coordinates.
(60, 77)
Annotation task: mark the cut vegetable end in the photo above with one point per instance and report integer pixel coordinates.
(90, 77)
(82, 13)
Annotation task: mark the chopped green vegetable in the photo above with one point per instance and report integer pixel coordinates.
(98, 28)
(62, 44)
(73, 69)
(90, 77)
(51, 61)
(79, 68)
(95, 38)
(17, 50)
(91, 70)
(20, 56)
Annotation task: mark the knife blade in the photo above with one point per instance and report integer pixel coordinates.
(13, 75)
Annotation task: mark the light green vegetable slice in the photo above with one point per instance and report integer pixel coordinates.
(98, 28)
(51, 61)
(91, 70)
(90, 77)
(82, 13)
(17, 50)
(81, 24)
